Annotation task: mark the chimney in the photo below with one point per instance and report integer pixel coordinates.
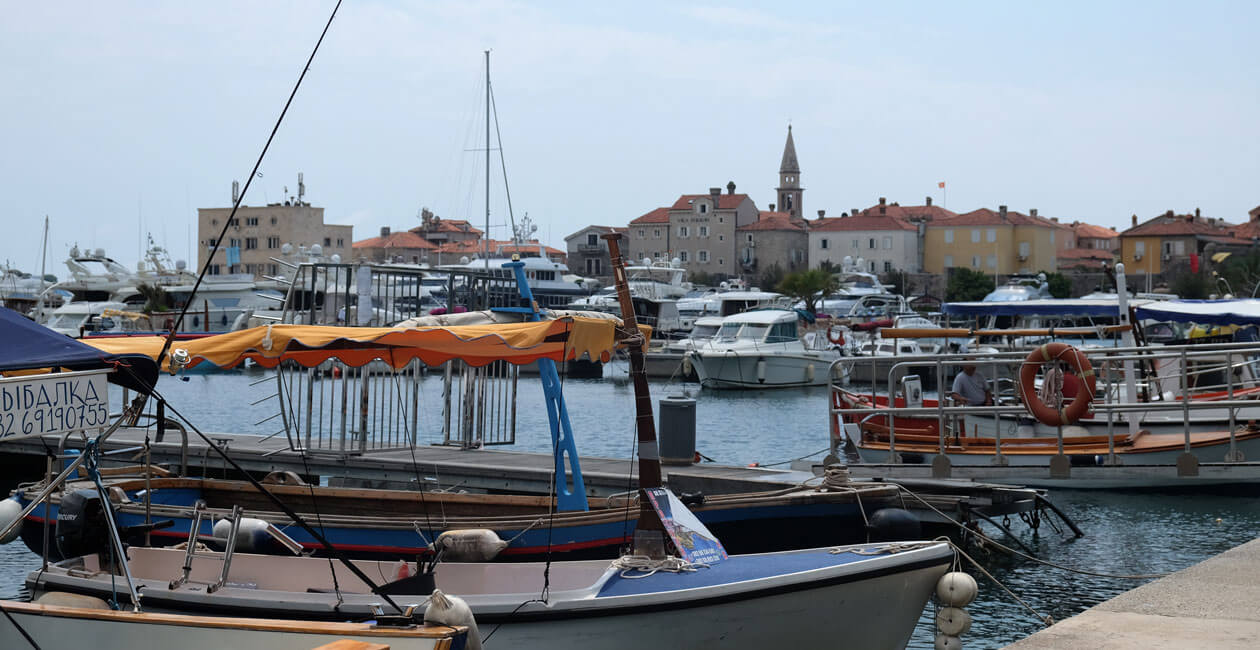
(1189, 218)
(772, 207)
(730, 187)
(384, 231)
(929, 201)
(821, 214)
(1196, 213)
(715, 192)
(1032, 212)
(1135, 221)
(1054, 219)
(1002, 211)
(882, 200)
(883, 209)
(1113, 229)
(853, 212)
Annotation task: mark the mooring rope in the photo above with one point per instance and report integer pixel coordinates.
(648, 566)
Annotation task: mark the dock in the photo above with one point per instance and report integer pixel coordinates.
(1209, 605)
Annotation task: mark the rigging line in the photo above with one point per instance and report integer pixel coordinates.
(298, 519)
(502, 161)
(218, 243)
(415, 468)
(319, 521)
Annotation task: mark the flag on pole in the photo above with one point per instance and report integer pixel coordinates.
(941, 184)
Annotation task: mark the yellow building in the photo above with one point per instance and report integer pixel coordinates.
(1001, 242)
(1154, 245)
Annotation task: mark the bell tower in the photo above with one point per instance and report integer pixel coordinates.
(789, 189)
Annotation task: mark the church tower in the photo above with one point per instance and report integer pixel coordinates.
(789, 189)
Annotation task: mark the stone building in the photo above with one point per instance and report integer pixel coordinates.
(886, 236)
(776, 238)
(405, 246)
(588, 252)
(257, 234)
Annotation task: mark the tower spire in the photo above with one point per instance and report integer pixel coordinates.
(790, 190)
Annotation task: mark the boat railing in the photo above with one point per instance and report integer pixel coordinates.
(1122, 401)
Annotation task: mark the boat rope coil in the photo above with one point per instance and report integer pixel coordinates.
(646, 566)
(891, 548)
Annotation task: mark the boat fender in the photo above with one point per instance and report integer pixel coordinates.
(956, 589)
(686, 364)
(953, 621)
(946, 642)
(67, 599)
(691, 499)
(893, 525)
(283, 478)
(761, 371)
(449, 610)
(468, 545)
(809, 372)
(251, 535)
(9, 510)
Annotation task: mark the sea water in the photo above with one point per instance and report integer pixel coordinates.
(1126, 533)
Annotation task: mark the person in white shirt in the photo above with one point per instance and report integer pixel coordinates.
(971, 389)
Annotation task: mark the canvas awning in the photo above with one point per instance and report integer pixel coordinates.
(31, 346)
(309, 345)
(1244, 311)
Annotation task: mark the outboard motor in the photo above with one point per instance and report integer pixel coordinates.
(81, 526)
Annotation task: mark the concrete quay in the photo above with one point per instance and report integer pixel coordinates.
(1214, 604)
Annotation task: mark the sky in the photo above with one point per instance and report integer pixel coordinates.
(121, 119)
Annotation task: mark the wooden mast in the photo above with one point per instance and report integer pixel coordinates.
(649, 534)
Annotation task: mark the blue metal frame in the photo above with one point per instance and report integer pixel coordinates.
(570, 490)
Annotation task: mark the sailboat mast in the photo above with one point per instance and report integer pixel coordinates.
(485, 238)
(43, 259)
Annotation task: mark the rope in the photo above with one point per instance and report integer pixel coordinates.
(647, 566)
(890, 548)
(793, 460)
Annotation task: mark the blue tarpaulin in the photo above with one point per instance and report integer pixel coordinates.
(1042, 307)
(25, 345)
(1245, 311)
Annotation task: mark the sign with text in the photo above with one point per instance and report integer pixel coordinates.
(37, 405)
(694, 541)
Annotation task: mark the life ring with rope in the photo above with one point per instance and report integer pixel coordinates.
(835, 334)
(1074, 410)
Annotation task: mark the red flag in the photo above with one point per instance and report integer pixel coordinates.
(1194, 262)
(941, 184)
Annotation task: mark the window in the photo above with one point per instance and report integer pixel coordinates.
(749, 235)
(592, 240)
(656, 255)
(721, 261)
(235, 243)
(888, 243)
(872, 243)
(214, 269)
(249, 268)
(593, 266)
(702, 256)
(871, 264)
(855, 243)
(273, 269)
(235, 222)
(703, 208)
(782, 333)
(721, 220)
(949, 235)
(341, 243)
(704, 231)
(1139, 248)
(643, 233)
(682, 256)
(975, 236)
(273, 242)
(992, 261)
(949, 261)
(1024, 249)
(273, 221)
(721, 237)
(975, 259)
(251, 221)
(656, 233)
(798, 255)
(990, 235)
(682, 231)
(327, 242)
(214, 222)
(210, 242)
(823, 244)
(887, 266)
(251, 243)
(1052, 238)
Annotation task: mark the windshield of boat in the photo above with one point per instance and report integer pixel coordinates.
(703, 331)
(732, 331)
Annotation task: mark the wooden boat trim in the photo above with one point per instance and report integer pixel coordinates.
(237, 623)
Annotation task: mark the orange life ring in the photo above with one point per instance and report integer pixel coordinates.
(1072, 411)
(836, 336)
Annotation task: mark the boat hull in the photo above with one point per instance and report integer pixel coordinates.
(750, 370)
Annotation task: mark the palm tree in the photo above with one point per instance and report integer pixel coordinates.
(808, 286)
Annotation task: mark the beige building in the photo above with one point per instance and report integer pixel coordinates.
(257, 234)
(886, 236)
(775, 238)
(1001, 242)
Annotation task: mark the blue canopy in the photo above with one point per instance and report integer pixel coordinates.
(1244, 311)
(1043, 307)
(29, 345)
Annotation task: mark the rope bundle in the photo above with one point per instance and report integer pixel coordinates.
(648, 566)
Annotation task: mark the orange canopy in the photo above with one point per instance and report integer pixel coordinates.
(309, 345)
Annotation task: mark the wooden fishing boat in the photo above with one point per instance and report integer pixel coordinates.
(53, 626)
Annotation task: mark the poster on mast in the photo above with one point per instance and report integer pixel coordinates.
(38, 405)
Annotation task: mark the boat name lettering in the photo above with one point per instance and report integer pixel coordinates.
(45, 404)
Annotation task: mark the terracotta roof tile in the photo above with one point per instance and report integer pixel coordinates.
(1183, 225)
(862, 222)
(987, 217)
(449, 225)
(774, 221)
(725, 201)
(404, 239)
(659, 215)
(1090, 231)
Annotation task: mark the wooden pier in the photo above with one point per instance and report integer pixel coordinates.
(1209, 605)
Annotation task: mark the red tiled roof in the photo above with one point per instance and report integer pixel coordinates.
(1183, 225)
(1090, 231)
(907, 212)
(659, 215)
(496, 247)
(774, 221)
(404, 239)
(725, 201)
(863, 221)
(987, 217)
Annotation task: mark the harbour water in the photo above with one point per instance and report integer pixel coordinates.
(1127, 533)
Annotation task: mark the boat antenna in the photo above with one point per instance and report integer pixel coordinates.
(218, 242)
(649, 534)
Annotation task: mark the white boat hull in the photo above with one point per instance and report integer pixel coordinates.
(750, 370)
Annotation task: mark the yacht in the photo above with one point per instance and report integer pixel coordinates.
(764, 348)
(546, 279)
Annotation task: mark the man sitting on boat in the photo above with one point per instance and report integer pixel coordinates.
(971, 389)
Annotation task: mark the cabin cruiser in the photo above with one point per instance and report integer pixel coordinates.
(668, 358)
(1021, 287)
(764, 348)
(546, 278)
(654, 289)
(728, 301)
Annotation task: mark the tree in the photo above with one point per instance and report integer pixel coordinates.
(1192, 285)
(966, 284)
(899, 281)
(1060, 285)
(808, 286)
(155, 298)
(772, 276)
(1242, 271)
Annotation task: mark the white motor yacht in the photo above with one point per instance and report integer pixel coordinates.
(765, 349)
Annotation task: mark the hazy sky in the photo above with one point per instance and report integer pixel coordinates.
(124, 117)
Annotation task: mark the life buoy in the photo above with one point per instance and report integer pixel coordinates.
(1072, 411)
(835, 334)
